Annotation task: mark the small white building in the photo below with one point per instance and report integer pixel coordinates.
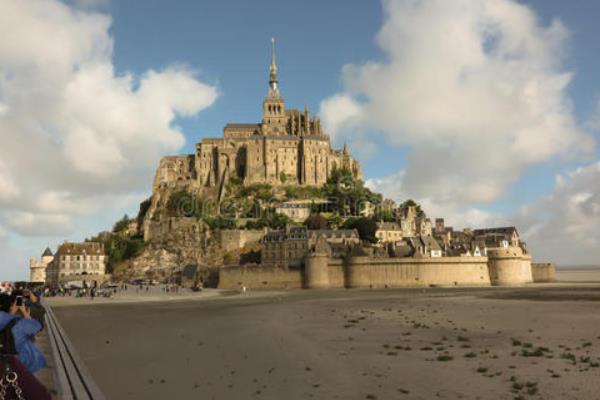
(299, 210)
(388, 232)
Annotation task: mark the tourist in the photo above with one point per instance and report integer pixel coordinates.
(23, 330)
(32, 302)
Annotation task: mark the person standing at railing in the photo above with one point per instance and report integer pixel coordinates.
(23, 331)
(18, 381)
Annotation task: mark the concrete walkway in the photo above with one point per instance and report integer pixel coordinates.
(47, 375)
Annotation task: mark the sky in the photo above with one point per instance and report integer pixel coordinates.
(485, 111)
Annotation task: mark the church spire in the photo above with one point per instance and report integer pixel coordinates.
(273, 82)
(274, 116)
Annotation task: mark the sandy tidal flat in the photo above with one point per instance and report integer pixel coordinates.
(578, 274)
(529, 343)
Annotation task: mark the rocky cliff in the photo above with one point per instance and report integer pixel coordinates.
(173, 238)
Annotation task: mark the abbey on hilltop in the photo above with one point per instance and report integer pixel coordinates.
(287, 147)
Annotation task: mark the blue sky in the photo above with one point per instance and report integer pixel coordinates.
(232, 49)
(228, 42)
(211, 58)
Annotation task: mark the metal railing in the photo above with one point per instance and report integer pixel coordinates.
(73, 380)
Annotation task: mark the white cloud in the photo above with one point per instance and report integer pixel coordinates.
(563, 226)
(91, 4)
(340, 113)
(78, 137)
(476, 88)
(8, 188)
(37, 224)
(453, 214)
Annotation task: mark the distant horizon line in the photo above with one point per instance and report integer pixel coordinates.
(577, 266)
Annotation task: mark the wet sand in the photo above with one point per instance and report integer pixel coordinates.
(497, 343)
(578, 274)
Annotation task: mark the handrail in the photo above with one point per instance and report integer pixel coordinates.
(74, 381)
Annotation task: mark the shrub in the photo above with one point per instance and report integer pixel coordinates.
(315, 221)
(366, 227)
(122, 224)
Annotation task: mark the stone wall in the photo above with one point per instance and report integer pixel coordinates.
(337, 273)
(509, 266)
(364, 272)
(317, 271)
(506, 266)
(543, 272)
(257, 277)
(410, 272)
(503, 267)
(175, 228)
(235, 239)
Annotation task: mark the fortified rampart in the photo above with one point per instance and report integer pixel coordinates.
(508, 266)
(372, 272)
(258, 277)
(317, 270)
(543, 272)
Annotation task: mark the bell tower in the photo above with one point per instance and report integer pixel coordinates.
(274, 118)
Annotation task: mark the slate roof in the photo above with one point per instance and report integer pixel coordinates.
(304, 233)
(430, 242)
(80, 248)
(508, 230)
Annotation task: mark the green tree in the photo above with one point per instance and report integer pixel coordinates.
(316, 221)
(386, 215)
(182, 204)
(122, 224)
(366, 227)
(220, 222)
(278, 221)
(412, 203)
(347, 195)
(261, 191)
(334, 221)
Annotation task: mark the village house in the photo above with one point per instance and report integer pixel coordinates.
(288, 248)
(388, 232)
(76, 261)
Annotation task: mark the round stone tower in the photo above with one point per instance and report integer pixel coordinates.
(317, 265)
(509, 266)
(358, 268)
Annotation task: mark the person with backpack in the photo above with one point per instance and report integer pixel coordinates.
(19, 332)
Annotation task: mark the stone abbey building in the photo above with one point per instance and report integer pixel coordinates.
(287, 147)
